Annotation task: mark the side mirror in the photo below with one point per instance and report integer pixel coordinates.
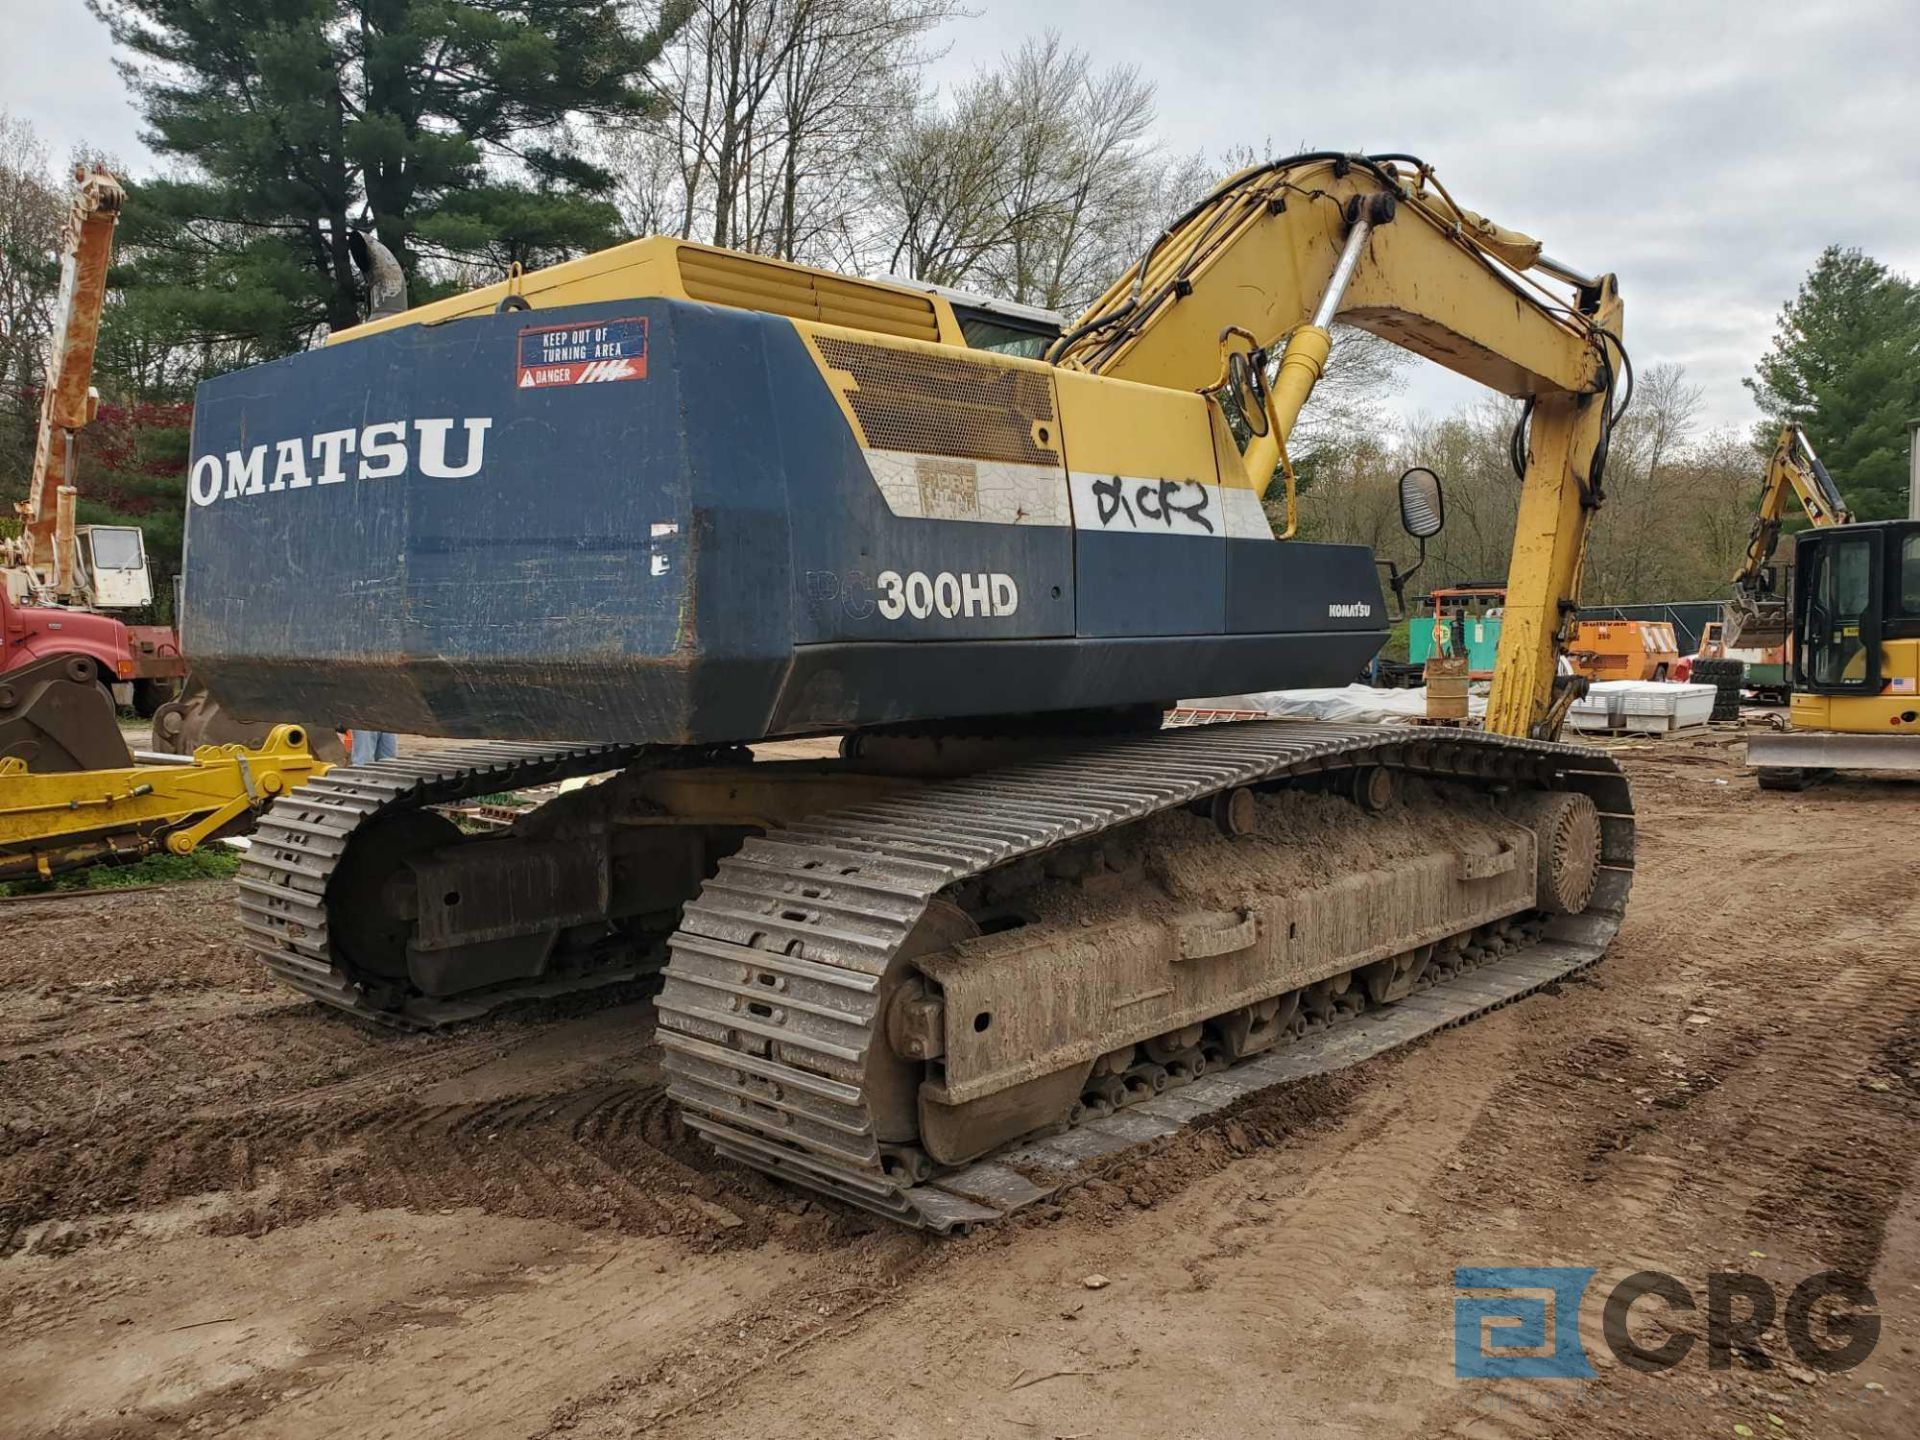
(1423, 509)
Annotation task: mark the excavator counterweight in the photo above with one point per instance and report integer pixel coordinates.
(632, 514)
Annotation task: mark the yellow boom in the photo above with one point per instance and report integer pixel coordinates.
(1278, 253)
(67, 406)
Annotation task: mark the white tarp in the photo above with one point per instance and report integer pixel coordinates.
(1675, 705)
(1358, 703)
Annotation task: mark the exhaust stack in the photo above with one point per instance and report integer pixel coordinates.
(386, 281)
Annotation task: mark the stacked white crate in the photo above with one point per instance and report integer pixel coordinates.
(1642, 707)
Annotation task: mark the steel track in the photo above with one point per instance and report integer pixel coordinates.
(771, 1075)
(298, 845)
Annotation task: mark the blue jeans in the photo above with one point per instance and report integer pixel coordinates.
(372, 745)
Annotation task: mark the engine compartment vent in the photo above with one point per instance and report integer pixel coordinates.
(746, 283)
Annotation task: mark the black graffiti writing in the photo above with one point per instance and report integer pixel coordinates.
(1110, 497)
(1167, 501)
(1159, 500)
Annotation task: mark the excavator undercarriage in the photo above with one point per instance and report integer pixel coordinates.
(931, 997)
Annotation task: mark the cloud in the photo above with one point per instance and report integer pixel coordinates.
(1704, 150)
(56, 71)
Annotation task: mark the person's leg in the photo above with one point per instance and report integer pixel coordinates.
(364, 742)
(386, 745)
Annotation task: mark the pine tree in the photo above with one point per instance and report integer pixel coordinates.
(1845, 363)
(443, 123)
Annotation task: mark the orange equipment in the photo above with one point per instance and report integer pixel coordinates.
(1624, 650)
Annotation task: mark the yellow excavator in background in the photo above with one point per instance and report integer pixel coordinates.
(1747, 650)
(1759, 617)
(1844, 635)
(1855, 654)
(1016, 925)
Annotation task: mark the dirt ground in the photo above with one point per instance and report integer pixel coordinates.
(224, 1211)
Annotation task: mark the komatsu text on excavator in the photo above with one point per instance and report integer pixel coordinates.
(667, 501)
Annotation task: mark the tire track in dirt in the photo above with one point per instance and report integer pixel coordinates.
(283, 1112)
(609, 1155)
(1292, 1261)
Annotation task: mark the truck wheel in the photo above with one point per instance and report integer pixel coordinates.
(150, 695)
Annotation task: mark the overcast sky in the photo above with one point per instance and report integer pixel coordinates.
(1703, 150)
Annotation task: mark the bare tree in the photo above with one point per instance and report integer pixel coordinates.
(772, 104)
(1039, 180)
(945, 187)
(32, 224)
(1641, 480)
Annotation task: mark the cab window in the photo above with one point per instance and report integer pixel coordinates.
(1910, 576)
(1004, 334)
(116, 548)
(1839, 590)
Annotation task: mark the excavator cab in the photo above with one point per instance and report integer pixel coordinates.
(1856, 657)
(1857, 621)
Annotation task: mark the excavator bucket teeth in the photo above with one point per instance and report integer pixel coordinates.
(57, 716)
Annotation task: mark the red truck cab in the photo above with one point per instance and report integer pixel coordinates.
(38, 632)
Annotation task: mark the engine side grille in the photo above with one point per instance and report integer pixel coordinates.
(946, 405)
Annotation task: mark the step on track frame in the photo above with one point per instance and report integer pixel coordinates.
(824, 905)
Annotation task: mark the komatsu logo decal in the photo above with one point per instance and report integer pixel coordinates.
(384, 451)
(1353, 610)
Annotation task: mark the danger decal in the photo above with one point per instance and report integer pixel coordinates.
(582, 354)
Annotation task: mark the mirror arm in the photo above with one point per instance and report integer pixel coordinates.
(1397, 580)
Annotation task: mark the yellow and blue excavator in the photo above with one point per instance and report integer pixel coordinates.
(636, 513)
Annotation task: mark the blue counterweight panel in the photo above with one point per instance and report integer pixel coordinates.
(546, 582)
(684, 550)
(1151, 584)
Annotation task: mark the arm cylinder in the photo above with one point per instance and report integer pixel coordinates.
(1303, 361)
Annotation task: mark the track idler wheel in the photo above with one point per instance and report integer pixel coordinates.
(1566, 828)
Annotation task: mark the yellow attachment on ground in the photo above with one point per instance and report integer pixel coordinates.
(57, 822)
